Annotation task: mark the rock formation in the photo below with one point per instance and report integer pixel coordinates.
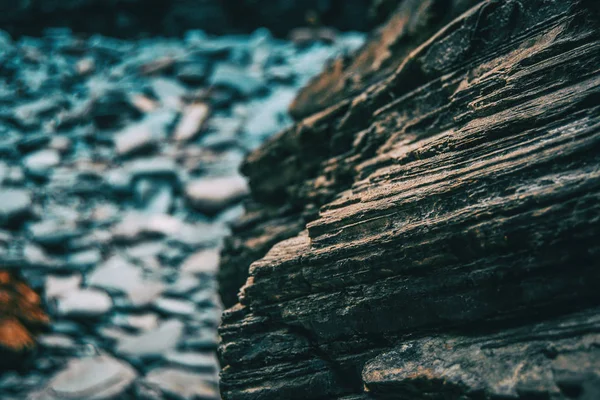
(428, 228)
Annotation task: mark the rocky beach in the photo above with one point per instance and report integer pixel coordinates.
(119, 180)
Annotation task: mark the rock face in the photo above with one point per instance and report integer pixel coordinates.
(435, 235)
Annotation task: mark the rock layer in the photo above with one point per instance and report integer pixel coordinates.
(433, 237)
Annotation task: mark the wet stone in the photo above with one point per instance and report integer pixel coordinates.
(197, 361)
(40, 163)
(14, 204)
(202, 262)
(94, 378)
(175, 307)
(212, 195)
(84, 303)
(183, 384)
(154, 343)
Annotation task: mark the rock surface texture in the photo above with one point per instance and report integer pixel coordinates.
(429, 231)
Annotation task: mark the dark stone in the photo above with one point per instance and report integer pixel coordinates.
(430, 230)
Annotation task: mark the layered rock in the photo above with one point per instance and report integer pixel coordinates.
(429, 233)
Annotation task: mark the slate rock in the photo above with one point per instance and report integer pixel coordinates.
(237, 79)
(182, 384)
(196, 361)
(153, 343)
(14, 204)
(211, 195)
(175, 307)
(202, 262)
(94, 378)
(84, 303)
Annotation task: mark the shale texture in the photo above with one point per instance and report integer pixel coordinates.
(428, 229)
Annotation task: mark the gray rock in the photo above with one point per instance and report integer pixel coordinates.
(57, 342)
(183, 384)
(196, 361)
(174, 307)
(95, 378)
(52, 232)
(212, 195)
(41, 162)
(116, 273)
(169, 92)
(14, 204)
(59, 286)
(120, 275)
(142, 322)
(83, 260)
(238, 80)
(191, 122)
(193, 73)
(135, 138)
(153, 344)
(202, 262)
(84, 303)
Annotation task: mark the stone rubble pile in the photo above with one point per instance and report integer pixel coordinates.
(118, 182)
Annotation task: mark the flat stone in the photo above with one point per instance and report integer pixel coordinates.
(85, 259)
(237, 79)
(84, 303)
(153, 343)
(183, 384)
(116, 273)
(191, 122)
(174, 307)
(135, 138)
(169, 92)
(202, 262)
(57, 342)
(136, 226)
(142, 322)
(14, 203)
(196, 361)
(153, 167)
(95, 378)
(120, 275)
(41, 162)
(53, 232)
(211, 195)
(59, 286)
(192, 73)
(184, 285)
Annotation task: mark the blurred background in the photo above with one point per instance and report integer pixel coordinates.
(123, 124)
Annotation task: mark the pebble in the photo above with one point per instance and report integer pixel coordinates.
(84, 303)
(197, 361)
(183, 384)
(94, 378)
(202, 262)
(193, 118)
(211, 195)
(59, 286)
(14, 203)
(154, 343)
(118, 184)
(175, 307)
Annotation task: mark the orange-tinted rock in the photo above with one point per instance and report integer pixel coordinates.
(21, 314)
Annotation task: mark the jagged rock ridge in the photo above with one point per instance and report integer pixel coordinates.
(435, 236)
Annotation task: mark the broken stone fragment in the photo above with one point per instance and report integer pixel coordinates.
(192, 120)
(211, 195)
